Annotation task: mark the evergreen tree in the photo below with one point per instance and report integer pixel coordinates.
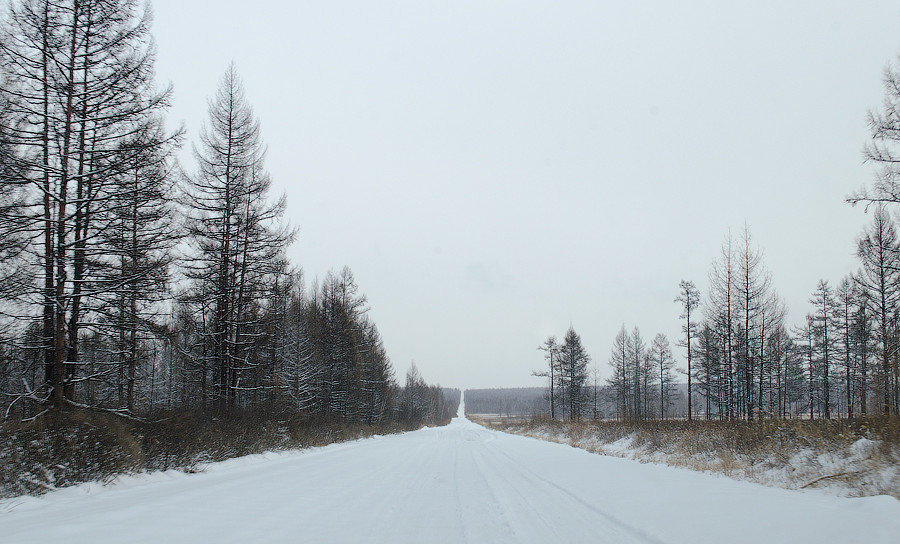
(573, 361)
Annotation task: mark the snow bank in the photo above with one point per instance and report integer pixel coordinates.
(865, 467)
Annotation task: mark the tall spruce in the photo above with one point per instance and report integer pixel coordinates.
(573, 361)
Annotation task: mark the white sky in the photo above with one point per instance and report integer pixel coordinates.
(492, 171)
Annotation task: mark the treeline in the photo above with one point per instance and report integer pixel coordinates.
(535, 401)
(744, 360)
(520, 401)
(643, 383)
(842, 359)
(129, 283)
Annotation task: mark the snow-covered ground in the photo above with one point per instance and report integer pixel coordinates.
(853, 469)
(459, 483)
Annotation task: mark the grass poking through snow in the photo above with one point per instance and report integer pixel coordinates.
(858, 457)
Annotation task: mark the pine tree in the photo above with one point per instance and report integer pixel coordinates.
(573, 361)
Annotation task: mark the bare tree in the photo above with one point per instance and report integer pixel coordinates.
(637, 373)
(659, 356)
(619, 382)
(720, 311)
(806, 335)
(137, 241)
(551, 351)
(689, 297)
(79, 85)
(862, 336)
(709, 373)
(823, 325)
(234, 233)
(881, 150)
(845, 300)
(877, 250)
(753, 289)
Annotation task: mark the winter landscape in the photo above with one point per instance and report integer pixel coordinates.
(456, 483)
(449, 272)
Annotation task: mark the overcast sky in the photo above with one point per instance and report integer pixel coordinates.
(494, 171)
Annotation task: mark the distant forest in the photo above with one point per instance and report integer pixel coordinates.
(133, 284)
(535, 402)
(518, 401)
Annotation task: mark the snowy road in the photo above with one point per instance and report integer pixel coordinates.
(460, 483)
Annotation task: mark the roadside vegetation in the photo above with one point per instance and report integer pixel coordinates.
(70, 447)
(848, 457)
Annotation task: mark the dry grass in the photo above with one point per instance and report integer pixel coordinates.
(792, 453)
(59, 450)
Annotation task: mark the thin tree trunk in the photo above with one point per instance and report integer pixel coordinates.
(50, 358)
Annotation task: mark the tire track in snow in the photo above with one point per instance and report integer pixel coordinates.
(537, 498)
(542, 486)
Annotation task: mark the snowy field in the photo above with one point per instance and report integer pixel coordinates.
(459, 483)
